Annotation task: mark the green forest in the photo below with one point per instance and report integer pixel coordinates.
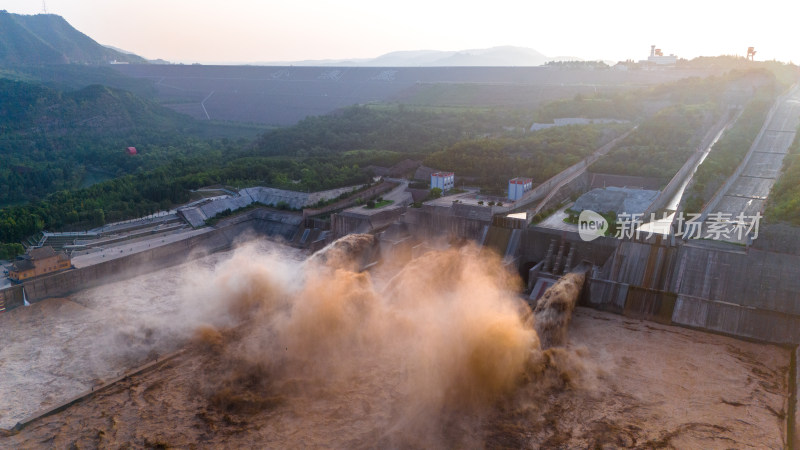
(159, 189)
(489, 163)
(63, 164)
(317, 153)
(52, 140)
(414, 131)
(41, 183)
(618, 106)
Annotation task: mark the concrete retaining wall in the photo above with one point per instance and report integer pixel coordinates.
(65, 283)
(721, 288)
(573, 188)
(778, 238)
(737, 320)
(352, 222)
(606, 295)
(11, 297)
(671, 308)
(432, 223)
(631, 301)
(342, 225)
(756, 279)
(201, 211)
(259, 222)
(373, 191)
(642, 264)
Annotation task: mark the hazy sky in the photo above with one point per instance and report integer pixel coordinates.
(249, 30)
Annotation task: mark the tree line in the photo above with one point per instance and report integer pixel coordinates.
(162, 188)
(490, 163)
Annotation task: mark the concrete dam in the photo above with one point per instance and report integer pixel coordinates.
(280, 226)
(746, 290)
(749, 293)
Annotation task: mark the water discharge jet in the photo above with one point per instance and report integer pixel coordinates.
(553, 311)
(448, 335)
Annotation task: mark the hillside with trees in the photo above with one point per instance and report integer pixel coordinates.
(52, 140)
(318, 153)
(626, 106)
(169, 185)
(398, 129)
(49, 39)
(540, 155)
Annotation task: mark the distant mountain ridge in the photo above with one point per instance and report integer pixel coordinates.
(503, 56)
(49, 39)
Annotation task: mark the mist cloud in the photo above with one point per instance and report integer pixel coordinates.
(448, 335)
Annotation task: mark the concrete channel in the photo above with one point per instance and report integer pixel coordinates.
(745, 192)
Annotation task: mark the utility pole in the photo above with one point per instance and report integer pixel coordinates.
(44, 7)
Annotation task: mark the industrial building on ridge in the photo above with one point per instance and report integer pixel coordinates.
(517, 187)
(657, 57)
(39, 261)
(443, 180)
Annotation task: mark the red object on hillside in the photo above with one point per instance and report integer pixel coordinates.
(132, 150)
